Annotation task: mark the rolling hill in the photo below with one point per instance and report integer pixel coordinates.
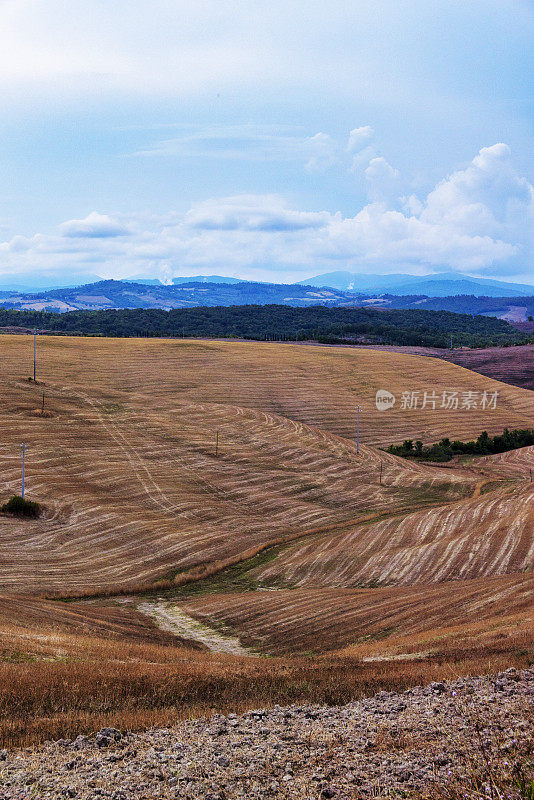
(125, 453)
(221, 480)
(455, 296)
(444, 284)
(278, 322)
(184, 294)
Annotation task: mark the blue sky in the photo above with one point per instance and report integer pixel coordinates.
(266, 140)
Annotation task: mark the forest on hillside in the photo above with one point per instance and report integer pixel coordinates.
(276, 322)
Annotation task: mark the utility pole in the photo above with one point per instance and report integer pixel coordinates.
(380, 473)
(34, 351)
(23, 451)
(42, 409)
(357, 429)
(217, 445)
(451, 341)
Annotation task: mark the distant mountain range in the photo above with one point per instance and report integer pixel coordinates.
(444, 284)
(112, 294)
(186, 294)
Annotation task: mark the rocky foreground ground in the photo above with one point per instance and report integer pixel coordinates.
(388, 744)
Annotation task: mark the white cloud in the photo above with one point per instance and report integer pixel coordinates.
(411, 205)
(251, 213)
(94, 226)
(359, 137)
(379, 170)
(362, 159)
(488, 194)
(476, 219)
(381, 178)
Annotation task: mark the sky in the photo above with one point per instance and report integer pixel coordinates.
(272, 141)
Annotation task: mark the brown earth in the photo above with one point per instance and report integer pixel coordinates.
(124, 458)
(514, 365)
(390, 558)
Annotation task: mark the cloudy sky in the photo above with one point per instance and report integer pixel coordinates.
(270, 140)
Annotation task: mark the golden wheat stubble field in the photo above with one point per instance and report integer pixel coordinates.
(136, 498)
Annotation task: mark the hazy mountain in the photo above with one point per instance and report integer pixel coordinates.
(124, 294)
(208, 279)
(352, 281)
(444, 284)
(182, 280)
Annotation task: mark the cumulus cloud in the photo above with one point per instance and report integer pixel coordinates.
(359, 137)
(488, 195)
(251, 213)
(381, 178)
(94, 226)
(477, 219)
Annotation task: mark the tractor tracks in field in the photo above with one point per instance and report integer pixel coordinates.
(165, 612)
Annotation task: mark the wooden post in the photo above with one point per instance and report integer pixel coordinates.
(23, 450)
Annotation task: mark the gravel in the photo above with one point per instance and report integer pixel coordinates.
(390, 743)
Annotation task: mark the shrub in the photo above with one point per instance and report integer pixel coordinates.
(20, 507)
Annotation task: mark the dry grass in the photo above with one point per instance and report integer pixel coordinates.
(367, 622)
(135, 499)
(512, 365)
(125, 462)
(56, 683)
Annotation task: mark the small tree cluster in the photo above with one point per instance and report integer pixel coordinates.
(20, 507)
(485, 445)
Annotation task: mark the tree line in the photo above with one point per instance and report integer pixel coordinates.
(286, 323)
(445, 450)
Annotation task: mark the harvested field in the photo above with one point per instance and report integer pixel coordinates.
(487, 535)
(124, 459)
(22, 617)
(139, 506)
(513, 365)
(368, 622)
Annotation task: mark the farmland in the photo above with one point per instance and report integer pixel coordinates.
(513, 365)
(223, 479)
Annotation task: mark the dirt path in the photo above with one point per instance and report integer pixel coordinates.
(170, 617)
